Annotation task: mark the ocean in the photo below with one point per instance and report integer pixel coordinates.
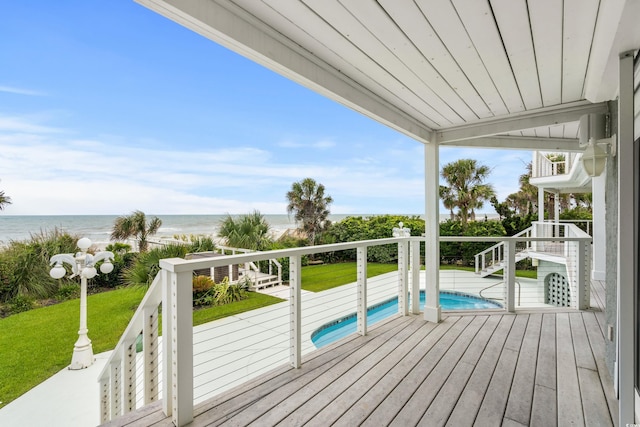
(98, 227)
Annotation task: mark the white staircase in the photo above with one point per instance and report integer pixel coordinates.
(493, 259)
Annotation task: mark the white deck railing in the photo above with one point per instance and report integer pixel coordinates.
(545, 167)
(172, 290)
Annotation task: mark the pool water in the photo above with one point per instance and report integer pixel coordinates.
(345, 326)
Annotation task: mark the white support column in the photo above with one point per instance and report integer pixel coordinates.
(599, 230)
(432, 231)
(167, 338)
(295, 309)
(627, 234)
(541, 204)
(403, 277)
(361, 254)
(415, 277)
(182, 347)
(510, 274)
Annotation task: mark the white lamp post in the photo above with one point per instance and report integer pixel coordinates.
(82, 264)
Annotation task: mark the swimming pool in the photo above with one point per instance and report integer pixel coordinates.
(345, 326)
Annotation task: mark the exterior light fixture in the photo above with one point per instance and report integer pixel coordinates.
(595, 157)
(82, 264)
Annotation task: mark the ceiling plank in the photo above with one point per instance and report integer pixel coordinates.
(480, 26)
(254, 40)
(512, 18)
(525, 120)
(546, 29)
(413, 23)
(376, 79)
(579, 26)
(382, 27)
(354, 32)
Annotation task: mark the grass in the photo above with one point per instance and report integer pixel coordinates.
(255, 300)
(36, 344)
(316, 278)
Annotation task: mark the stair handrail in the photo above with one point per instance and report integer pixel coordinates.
(117, 389)
(497, 251)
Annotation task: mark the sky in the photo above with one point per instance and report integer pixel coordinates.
(107, 107)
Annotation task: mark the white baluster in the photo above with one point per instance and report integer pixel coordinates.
(361, 254)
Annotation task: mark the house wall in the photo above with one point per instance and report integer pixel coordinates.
(611, 220)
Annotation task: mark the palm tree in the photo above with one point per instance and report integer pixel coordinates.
(4, 200)
(448, 200)
(465, 187)
(310, 206)
(247, 231)
(135, 225)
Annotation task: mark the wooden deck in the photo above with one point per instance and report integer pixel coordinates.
(538, 369)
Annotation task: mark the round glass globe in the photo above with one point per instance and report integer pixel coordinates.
(57, 272)
(106, 267)
(84, 243)
(89, 272)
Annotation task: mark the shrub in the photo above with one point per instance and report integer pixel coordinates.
(21, 303)
(68, 291)
(24, 265)
(464, 252)
(368, 228)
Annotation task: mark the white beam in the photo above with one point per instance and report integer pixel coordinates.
(245, 34)
(520, 143)
(627, 235)
(527, 120)
(432, 232)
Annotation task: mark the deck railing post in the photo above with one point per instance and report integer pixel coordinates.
(415, 277)
(361, 253)
(182, 347)
(129, 378)
(295, 308)
(581, 273)
(510, 274)
(167, 338)
(403, 277)
(150, 353)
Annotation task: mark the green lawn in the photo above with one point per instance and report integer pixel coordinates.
(36, 344)
(316, 278)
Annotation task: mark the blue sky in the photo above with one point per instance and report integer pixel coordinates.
(107, 107)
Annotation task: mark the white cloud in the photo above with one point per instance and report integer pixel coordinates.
(21, 91)
(323, 144)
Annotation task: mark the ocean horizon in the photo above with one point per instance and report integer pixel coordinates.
(98, 227)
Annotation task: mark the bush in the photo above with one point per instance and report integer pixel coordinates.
(464, 252)
(368, 228)
(21, 303)
(208, 293)
(68, 291)
(24, 265)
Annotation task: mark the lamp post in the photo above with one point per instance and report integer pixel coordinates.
(82, 264)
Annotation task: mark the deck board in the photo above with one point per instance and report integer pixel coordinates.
(536, 369)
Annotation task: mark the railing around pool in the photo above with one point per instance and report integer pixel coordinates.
(181, 366)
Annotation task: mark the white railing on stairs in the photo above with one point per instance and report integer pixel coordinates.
(136, 360)
(495, 254)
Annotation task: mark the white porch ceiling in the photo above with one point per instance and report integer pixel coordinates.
(446, 70)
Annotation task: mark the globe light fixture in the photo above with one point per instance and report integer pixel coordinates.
(83, 265)
(595, 157)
